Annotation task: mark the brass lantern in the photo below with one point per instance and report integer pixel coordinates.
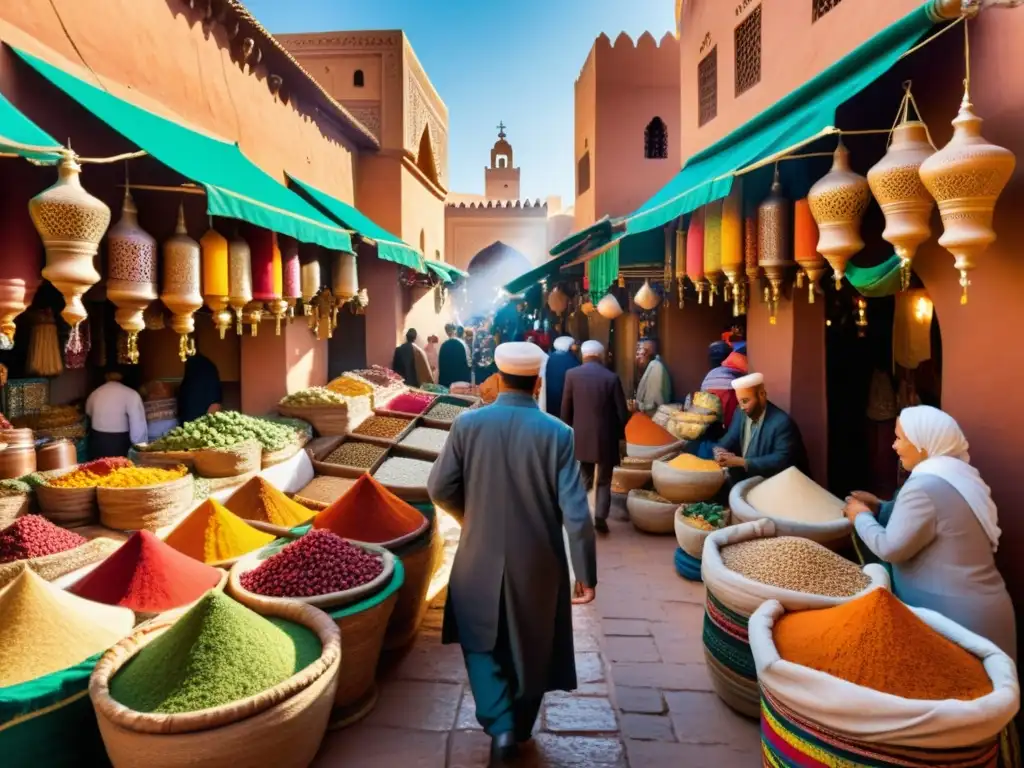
(216, 277)
(346, 276)
(680, 259)
(966, 178)
(838, 201)
(182, 278)
(71, 223)
(774, 242)
(311, 281)
(239, 280)
(805, 248)
(732, 246)
(753, 269)
(647, 298)
(713, 248)
(896, 184)
(19, 265)
(131, 274)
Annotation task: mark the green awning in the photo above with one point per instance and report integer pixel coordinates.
(389, 247)
(445, 272)
(235, 187)
(599, 231)
(20, 136)
(602, 271)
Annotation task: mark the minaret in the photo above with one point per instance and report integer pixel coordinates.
(502, 177)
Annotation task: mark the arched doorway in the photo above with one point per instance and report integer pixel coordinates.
(490, 269)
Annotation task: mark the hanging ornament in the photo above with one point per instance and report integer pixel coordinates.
(345, 276)
(558, 301)
(732, 246)
(713, 248)
(680, 259)
(896, 183)
(131, 274)
(609, 307)
(966, 178)
(862, 316)
(311, 280)
(71, 223)
(291, 285)
(838, 201)
(239, 279)
(805, 244)
(695, 253)
(647, 298)
(750, 257)
(261, 244)
(216, 277)
(277, 305)
(774, 243)
(587, 308)
(252, 316)
(669, 233)
(182, 279)
(19, 265)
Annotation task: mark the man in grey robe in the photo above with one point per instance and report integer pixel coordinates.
(655, 387)
(508, 473)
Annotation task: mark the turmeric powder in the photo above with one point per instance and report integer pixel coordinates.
(212, 534)
(123, 477)
(689, 463)
(641, 430)
(877, 642)
(349, 387)
(259, 500)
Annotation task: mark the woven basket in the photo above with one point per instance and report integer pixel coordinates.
(240, 459)
(421, 560)
(147, 508)
(280, 727)
(273, 458)
(52, 567)
(690, 539)
(13, 507)
(68, 507)
(625, 480)
(686, 486)
(727, 652)
(327, 420)
(649, 516)
(161, 459)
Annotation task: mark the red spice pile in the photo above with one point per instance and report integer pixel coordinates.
(145, 574)
(410, 402)
(317, 564)
(370, 512)
(34, 536)
(104, 467)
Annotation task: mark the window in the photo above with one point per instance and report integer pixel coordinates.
(583, 174)
(707, 87)
(656, 140)
(748, 52)
(358, 79)
(820, 7)
(423, 242)
(501, 161)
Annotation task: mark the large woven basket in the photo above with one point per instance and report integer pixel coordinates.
(273, 458)
(52, 567)
(280, 727)
(685, 486)
(327, 420)
(68, 507)
(240, 459)
(421, 559)
(147, 508)
(163, 459)
(12, 507)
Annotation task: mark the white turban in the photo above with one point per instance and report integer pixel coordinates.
(939, 437)
(592, 348)
(753, 381)
(519, 358)
(564, 343)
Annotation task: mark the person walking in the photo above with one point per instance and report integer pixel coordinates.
(594, 405)
(560, 362)
(453, 363)
(404, 361)
(507, 473)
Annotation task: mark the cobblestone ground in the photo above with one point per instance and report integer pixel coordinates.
(645, 699)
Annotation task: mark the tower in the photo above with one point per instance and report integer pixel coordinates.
(501, 178)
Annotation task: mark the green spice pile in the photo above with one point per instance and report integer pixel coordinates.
(314, 396)
(217, 653)
(355, 454)
(705, 516)
(790, 562)
(223, 430)
(14, 488)
(385, 427)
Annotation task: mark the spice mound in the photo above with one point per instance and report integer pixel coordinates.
(324, 490)
(87, 475)
(687, 462)
(792, 495)
(641, 430)
(704, 516)
(343, 385)
(354, 454)
(145, 574)
(426, 439)
(802, 565)
(877, 642)
(445, 411)
(122, 477)
(385, 427)
(320, 563)
(404, 473)
(224, 429)
(409, 402)
(14, 488)
(370, 512)
(218, 652)
(314, 396)
(35, 536)
(261, 501)
(44, 629)
(212, 534)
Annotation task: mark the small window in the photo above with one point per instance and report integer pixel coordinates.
(423, 242)
(820, 7)
(707, 87)
(583, 174)
(358, 79)
(748, 52)
(656, 140)
(501, 161)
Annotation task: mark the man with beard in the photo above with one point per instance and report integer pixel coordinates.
(655, 387)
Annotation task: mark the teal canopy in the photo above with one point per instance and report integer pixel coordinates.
(235, 186)
(20, 136)
(389, 247)
(445, 272)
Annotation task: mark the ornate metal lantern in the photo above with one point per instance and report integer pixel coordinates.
(695, 252)
(182, 280)
(713, 248)
(216, 277)
(838, 201)
(19, 267)
(805, 248)
(239, 279)
(732, 246)
(774, 242)
(131, 274)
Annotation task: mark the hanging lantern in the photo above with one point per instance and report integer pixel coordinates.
(182, 280)
(713, 248)
(262, 246)
(131, 274)
(966, 178)
(680, 259)
(587, 307)
(838, 201)
(647, 298)
(239, 278)
(291, 286)
(609, 307)
(311, 281)
(345, 276)
(695, 252)
(862, 316)
(71, 223)
(805, 244)
(252, 315)
(19, 267)
(558, 302)
(750, 256)
(732, 246)
(896, 184)
(216, 277)
(276, 304)
(774, 238)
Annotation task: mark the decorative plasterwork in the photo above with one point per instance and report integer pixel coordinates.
(368, 115)
(419, 113)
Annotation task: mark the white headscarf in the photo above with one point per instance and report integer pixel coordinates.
(937, 434)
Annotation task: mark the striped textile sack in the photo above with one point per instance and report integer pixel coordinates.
(810, 719)
(731, 599)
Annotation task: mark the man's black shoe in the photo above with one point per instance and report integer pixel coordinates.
(503, 749)
(601, 526)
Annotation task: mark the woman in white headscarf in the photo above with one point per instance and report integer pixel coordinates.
(941, 531)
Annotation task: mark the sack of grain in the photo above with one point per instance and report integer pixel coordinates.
(796, 504)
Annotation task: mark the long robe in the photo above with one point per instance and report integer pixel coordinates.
(655, 388)
(404, 363)
(452, 365)
(559, 364)
(200, 388)
(508, 473)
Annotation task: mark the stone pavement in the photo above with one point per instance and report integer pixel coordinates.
(645, 699)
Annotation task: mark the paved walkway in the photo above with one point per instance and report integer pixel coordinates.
(645, 698)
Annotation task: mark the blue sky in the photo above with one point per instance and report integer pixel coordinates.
(493, 61)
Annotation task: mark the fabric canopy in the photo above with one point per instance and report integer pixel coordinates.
(235, 187)
(445, 272)
(389, 247)
(20, 136)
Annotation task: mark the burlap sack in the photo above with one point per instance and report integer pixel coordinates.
(830, 534)
(237, 460)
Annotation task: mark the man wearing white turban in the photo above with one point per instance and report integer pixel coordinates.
(941, 531)
(655, 387)
(560, 362)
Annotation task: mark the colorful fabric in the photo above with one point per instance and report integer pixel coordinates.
(725, 638)
(686, 566)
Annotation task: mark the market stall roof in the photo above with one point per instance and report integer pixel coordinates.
(565, 255)
(445, 272)
(235, 186)
(20, 136)
(804, 115)
(389, 247)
